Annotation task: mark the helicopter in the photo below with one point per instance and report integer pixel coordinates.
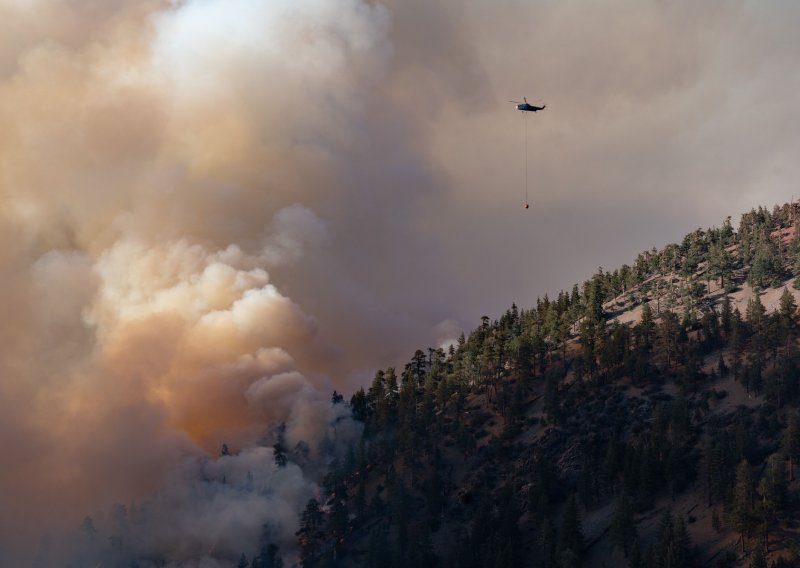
(525, 107)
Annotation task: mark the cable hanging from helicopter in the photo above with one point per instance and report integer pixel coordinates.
(524, 107)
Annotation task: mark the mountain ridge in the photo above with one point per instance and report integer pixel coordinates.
(714, 364)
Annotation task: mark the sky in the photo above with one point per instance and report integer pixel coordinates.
(214, 212)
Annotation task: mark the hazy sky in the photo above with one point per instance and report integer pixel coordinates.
(215, 211)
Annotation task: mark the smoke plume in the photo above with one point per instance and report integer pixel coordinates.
(159, 161)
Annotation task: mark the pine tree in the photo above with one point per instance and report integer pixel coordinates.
(743, 499)
(623, 525)
(279, 453)
(510, 543)
(552, 402)
(664, 540)
(722, 368)
(755, 313)
(710, 466)
(359, 405)
(242, 562)
(571, 528)
(635, 560)
(421, 552)
(545, 544)
(790, 443)
(338, 519)
(310, 535)
(759, 557)
(726, 316)
(766, 265)
(361, 496)
(380, 553)
(647, 325)
(682, 543)
(673, 546)
(776, 478)
(268, 554)
(594, 298)
(737, 337)
(667, 337)
(720, 263)
(788, 306)
(269, 557)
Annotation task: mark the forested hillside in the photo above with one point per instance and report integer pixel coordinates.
(645, 418)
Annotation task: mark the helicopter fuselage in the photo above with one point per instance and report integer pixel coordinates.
(525, 107)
